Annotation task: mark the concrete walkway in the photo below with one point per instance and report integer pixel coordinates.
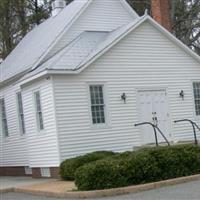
(11, 182)
(186, 191)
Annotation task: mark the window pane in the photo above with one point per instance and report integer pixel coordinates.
(97, 104)
(40, 121)
(23, 124)
(39, 114)
(37, 96)
(4, 118)
(196, 88)
(5, 128)
(21, 112)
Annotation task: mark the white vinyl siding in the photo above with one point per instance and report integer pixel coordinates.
(196, 89)
(20, 113)
(13, 150)
(41, 150)
(4, 118)
(140, 61)
(38, 109)
(97, 104)
(42, 145)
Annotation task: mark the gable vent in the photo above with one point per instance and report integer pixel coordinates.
(57, 6)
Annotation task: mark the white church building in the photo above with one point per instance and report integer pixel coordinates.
(81, 80)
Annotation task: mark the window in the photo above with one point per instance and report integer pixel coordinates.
(39, 116)
(28, 170)
(45, 172)
(196, 88)
(4, 118)
(20, 112)
(97, 104)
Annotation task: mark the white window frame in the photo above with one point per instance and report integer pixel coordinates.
(98, 125)
(20, 110)
(38, 113)
(4, 120)
(195, 110)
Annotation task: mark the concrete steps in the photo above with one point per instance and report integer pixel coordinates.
(162, 144)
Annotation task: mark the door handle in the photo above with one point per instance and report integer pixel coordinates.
(155, 120)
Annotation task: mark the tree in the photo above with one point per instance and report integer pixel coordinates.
(17, 17)
(8, 27)
(38, 12)
(140, 6)
(186, 22)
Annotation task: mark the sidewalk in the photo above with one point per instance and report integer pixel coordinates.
(55, 187)
(11, 182)
(35, 186)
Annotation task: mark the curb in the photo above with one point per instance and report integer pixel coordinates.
(110, 192)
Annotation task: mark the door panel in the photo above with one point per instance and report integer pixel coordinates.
(153, 105)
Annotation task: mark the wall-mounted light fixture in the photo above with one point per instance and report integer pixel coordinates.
(181, 94)
(123, 97)
(48, 78)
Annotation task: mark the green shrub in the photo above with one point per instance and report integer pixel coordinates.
(143, 166)
(177, 161)
(69, 166)
(140, 167)
(101, 174)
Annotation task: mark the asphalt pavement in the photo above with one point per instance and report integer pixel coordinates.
(187, 191)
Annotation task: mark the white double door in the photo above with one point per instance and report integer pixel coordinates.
(153, 107)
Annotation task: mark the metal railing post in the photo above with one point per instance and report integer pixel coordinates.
(155, 127)
(195, 135)
(193, 126)
(163, 136)
(156, 137)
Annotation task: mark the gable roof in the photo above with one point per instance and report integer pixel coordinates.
(106, 42)
(86, 48)
(125, 30)
(74, 56)
(35, 45)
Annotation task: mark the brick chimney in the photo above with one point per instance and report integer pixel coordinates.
(160, 10)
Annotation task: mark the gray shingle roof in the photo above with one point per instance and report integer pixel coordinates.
(74, 54)
(35, 43)
(81, 50)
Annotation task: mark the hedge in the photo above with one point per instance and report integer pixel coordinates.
(100, 175)
(69, 166)
(143, 166)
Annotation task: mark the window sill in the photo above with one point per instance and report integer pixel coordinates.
(22, 135)
(99, 127)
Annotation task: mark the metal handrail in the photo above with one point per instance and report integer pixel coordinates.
(155, 127)
(193, 126)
